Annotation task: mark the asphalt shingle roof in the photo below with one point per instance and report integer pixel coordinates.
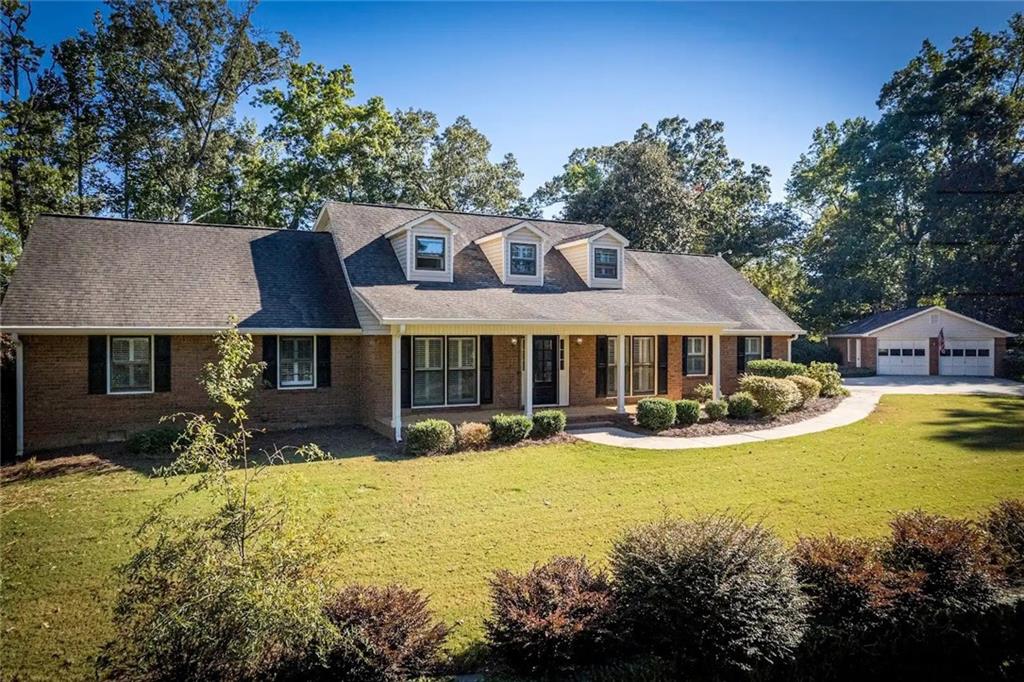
(659, 287)
(100, 272)
(877, 320)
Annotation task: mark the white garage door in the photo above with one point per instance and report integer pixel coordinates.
(968, 357)
(902, 356)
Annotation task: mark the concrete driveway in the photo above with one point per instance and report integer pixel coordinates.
(932, 385)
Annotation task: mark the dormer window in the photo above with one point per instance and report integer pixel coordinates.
(430, 253)
(523, 259)
(606, 263)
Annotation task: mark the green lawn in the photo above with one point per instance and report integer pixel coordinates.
(444, 524)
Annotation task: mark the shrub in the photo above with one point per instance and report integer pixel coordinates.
(687, 412)
(156, 441)
(656, 414)
(950, 556)
(1005, 527)
(509, 429)
(809, 389)
(429, 437)
(715, 409)
(472, 436)
(704, 392)
(741, 405)
(715, 595)
(780, 369)
(773, 396)
(552, 618)
(385, 633)
(548, 423)
(827, 374)
(805, 351)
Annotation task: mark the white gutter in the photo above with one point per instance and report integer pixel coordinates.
(549, 323)
(180, 331)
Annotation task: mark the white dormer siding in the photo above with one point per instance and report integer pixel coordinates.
(428, 233)
(523, 237)
(582, 254)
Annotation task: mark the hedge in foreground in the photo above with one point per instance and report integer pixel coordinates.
(551, 619)
(509, 429)
(809, 388)
(429, 437)
(780, 369)
(714, 595)
(472, 436)
(703, 392)
(547, 423)
(827, 374)
(687, 412)
(716, 409)
(158, 441)
(773, 396)
(1005, 527)
(655, 414)
(741, 405)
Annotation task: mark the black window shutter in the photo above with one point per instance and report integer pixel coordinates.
(323, 361)
(766, 347)
(270, 358)
(662, 365)
(741, 358)
(709, 351)
(602, 366)
(406, 350)
(97, 364)
(486, 370)
(685, 343)
(161, 364)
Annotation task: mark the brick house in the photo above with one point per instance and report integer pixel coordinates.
(379, 316)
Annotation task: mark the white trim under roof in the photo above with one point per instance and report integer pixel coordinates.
(929, 309)
(609, 232)
(405, 227)
(763, 332)
(179, 331)
(549, 323)
(522, 225)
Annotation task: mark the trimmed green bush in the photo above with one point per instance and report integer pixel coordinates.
(717, 597)
(156, 441)
(704, 392)
(780, 369)
(1005, 527)
(773, 396)
(656, 414)
(827, 374)
(553, 618)
(716, 409)
(472, 436)
(509, 429)
(741, 405)
(547, 423)
(809, 388)
(429, 437)
(687, 412)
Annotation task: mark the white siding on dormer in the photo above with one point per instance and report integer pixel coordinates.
(607, 242)
(430, 229)
(401, 244)
(579, 258)
(522, 236)
(494, 251)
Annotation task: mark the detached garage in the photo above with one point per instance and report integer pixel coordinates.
(921, 341)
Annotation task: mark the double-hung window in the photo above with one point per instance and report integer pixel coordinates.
(430, 253)
(643, 365)
(523, 259)
(131, 364)
(752, 348)
(295, 361)
(613, 374)
(696, 355)
(428, 371)
(606, 263)
(461, 370)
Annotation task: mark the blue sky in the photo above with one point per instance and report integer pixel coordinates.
(542, 79)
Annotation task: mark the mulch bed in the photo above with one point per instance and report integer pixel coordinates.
(754, 423)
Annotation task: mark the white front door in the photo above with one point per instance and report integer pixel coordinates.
(968, 357)
(902, 356)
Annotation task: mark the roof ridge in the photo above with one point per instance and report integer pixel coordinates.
(113, 219)
(473, 213)
(673, 253)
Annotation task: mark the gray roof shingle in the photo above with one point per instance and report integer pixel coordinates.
(869, 324)
(101, 272)
(659, 287)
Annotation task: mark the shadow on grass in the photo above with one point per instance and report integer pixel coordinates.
(107, 458)
(998, 427)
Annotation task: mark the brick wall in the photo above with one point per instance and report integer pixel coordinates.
(508, 381)
(374, 391)
(868, 351)
(999, 359)
(60, 411)
(933, 356)
(840, 345)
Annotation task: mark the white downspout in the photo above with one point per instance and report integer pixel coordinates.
(620, 374)
(19, 395)
(396, 383)
(716, 363)
(528, 398)
(789, 346)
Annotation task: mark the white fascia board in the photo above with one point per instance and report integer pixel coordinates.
(765, 332)
(919, 313)
(597, 235)
(175, 331)
(524, 225)
(405, 227)
(548, 323)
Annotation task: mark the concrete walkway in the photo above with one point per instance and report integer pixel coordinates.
(864, 395)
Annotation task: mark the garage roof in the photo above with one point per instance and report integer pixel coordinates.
(879, 321)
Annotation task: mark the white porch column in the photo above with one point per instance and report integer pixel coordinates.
(716, 363)
(19, 395)
(396, 384)
(528, 353)
(620, 374)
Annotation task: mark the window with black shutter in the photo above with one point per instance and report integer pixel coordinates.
(486, 370)
(97, 364)
(662, 365)
(270, 360)
(406, 350)
(767, 354)
(323, 361)
(162, 364)
(602, 367)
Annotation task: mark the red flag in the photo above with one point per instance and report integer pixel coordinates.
(942, 342)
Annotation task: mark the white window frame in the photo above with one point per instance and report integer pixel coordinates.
(110, 365)
(618, 263)
(446, 245)
(613, 346)
(536, 259)
(702, 354)
(444, 371)
(653, 365)
(747, 355)
(295, 387)
(475, 368)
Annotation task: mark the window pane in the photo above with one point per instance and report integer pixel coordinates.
(428, 388)
(461, 386)
(120, 350)
(461, 353)
(295, 361)
(428, 353)
(695, 364)
(430, 253)
(606, 263)
(643, 364)
(524, 259)
(983, 352)
(130, 364)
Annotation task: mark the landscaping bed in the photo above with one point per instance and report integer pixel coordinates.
(755, 422)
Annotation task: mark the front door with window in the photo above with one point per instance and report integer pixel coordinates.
(545, 370)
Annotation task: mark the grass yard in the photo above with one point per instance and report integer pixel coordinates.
(444, 524)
